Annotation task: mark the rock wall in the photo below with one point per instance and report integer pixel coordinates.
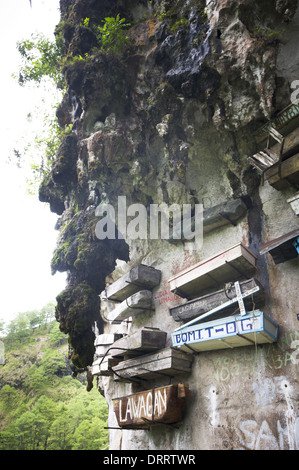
(173, 119)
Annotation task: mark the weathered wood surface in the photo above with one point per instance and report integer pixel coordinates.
(103, 365)
(229, 332)
(223, 214)
(294, 203)
(285, 121)
(218, 216)
(285, 175)
(291, 145)
(167, 362)
(130, 307)
(235, 263)
(220, 300)
(139, 342)
(104, 341)
(107, 338)
(281, 248)
(140, 277)
(163, 405)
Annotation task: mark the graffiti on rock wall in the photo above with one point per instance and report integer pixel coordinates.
(265, 436)
(248, 360)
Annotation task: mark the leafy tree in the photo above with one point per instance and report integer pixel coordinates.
(40, 407)
(40, 58)
(8, 397)
(90, 435)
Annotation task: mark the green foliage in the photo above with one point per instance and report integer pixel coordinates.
(112, 36)
(41, 406)
(40, 58)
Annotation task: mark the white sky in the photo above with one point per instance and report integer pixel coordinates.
(27, 234)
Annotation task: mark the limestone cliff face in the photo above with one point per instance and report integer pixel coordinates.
(170, 119)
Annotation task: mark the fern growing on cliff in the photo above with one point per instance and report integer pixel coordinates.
(112, 36)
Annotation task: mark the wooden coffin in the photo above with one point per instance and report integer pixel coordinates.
(167, 362)
(285, 175)
(140, 277)
(223, 300)
(294, 203)
(282, 248)
(139, 342)
(215, 217)
(137, 303)
(286, 121)
(104, 341)
(233, 264)
(230, 332)
(163, 405)
(103, 366)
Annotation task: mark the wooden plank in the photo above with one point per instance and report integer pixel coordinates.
(291, 145)
(286, 119)
(104, 341)
(294, 203)
(235, 263)
(137, 303)
(107, 339)
(224, 299)
(140, 277)
(218, 216)
(162, 405)
(284, 176)
(103, 366)
(139, 342)
(167, 362)
(282, 248)
(230, 332)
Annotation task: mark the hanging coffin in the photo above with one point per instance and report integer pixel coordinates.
(229, 332)
(283, 248)
(104, 341)
(167, 362)
(103, 365)
(140, 277)
(137, 303)
(140, 342)
(230, 265)
(216, 302)
(163, 405)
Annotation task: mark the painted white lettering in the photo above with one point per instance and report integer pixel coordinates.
(149, 404)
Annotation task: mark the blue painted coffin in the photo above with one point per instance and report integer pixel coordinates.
(230, 332)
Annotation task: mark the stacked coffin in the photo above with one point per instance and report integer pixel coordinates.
(130, 295)
(103, 360)
(220, 319)
(142, 354)
(278, 158)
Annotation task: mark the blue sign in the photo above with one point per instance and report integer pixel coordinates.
(234, 331)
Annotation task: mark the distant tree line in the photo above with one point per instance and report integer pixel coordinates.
(20, 328)
(42, 407)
